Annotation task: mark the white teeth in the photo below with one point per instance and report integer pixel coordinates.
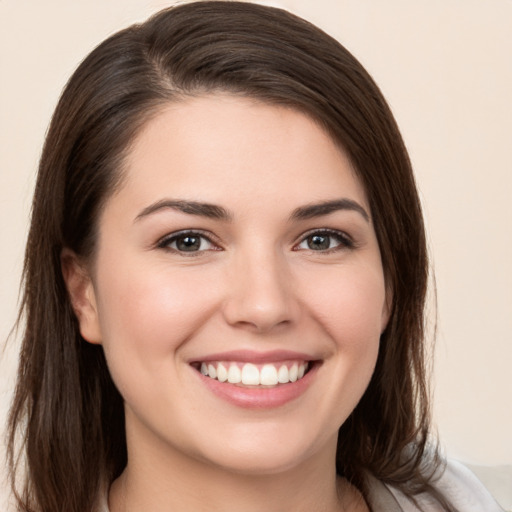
(268, 375)
(283, 375)
(251, 375)
(234, 374)
(212, 372)
(294, 372)
(222, 373)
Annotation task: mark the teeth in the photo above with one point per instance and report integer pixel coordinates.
(294, 372)
(252, 375)
(222, 373)
(283, 376)
(212, 372)
(234, 374)
(268, 375)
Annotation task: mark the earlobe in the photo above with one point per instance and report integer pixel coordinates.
(82, 296)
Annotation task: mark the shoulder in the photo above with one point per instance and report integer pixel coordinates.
(459, 486)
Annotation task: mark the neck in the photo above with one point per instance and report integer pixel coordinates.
(175, 482)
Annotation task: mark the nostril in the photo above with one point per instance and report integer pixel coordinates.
(260, 297)
(258, 317)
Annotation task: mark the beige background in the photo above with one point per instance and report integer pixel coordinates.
(445, 67)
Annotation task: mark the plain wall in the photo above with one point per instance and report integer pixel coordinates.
(445, 67)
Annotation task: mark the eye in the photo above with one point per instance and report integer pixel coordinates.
(325, 240)
(187, 241)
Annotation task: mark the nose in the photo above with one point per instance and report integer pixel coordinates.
(260, 295)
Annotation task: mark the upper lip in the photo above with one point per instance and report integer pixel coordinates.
(250, 356)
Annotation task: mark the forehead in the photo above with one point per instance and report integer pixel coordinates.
(220, 147)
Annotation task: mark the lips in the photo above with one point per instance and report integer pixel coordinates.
(257, 380)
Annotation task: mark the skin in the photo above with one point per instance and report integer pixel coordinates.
(255, 285)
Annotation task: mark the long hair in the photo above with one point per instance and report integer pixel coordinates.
(66, 420)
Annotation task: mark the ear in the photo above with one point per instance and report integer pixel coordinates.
(82, 296)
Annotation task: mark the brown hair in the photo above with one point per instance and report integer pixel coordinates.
(67, 413)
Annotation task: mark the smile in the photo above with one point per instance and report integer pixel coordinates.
(249, 374)
(256, 380)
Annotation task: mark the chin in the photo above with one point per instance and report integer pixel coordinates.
(267, 455)
(257, 464)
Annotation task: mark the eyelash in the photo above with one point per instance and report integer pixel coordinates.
(165, 242)
(343, 241)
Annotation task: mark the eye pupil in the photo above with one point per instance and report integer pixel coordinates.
(318, 242)
(188, 243)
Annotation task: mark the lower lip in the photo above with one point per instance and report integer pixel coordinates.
(259, 397)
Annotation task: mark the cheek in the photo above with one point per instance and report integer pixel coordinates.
(347, 304)
(350, 304)
(146, 317)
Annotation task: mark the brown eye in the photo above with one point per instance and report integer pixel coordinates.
(187, 242)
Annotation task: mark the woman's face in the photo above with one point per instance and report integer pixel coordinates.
(239, 245)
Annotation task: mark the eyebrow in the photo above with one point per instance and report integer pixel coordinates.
(213, 211)
(324, 208)
(208, 210)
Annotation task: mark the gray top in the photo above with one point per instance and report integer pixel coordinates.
(458, 484)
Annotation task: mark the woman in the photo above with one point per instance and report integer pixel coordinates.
(225, 281)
